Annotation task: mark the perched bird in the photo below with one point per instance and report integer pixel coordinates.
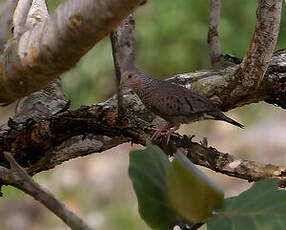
(176, 104)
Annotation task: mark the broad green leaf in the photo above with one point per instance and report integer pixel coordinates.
(262, 207)
(192, 194)
(147, 170)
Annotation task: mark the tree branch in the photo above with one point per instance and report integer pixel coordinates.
(20, 17)
(213, 37)
(124, 43)
(227, 91)
(37, 106)
(123, 49)
(6, 21)
(94, 129)
(37, 14)
(60, 41)
(47, 101)
(230, 165)
(257, 59)
(19, 178)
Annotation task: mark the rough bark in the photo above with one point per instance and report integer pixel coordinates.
(41, 145)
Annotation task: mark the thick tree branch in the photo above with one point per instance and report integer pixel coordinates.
(41, 145)
(47, 101)
(60, 41)
(227, 91)
(257, 59)
(213, 37)
(19, 178)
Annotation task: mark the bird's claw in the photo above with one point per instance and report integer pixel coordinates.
(164, 131)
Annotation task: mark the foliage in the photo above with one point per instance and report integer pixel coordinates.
(262, 207)
(147, 170)
(178, 193)
(191, 193)
(169, 193)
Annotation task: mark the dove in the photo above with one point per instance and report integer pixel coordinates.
(174, 103)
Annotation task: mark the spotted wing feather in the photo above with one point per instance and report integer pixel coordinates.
(173, 100)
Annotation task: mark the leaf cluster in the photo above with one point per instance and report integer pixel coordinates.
(177, 193)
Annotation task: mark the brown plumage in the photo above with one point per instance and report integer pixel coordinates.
(176, 104)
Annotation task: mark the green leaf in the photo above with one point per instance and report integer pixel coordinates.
(147, 170)
(192, 194)
(262, 207)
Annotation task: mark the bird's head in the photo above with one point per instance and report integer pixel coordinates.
(131, 79)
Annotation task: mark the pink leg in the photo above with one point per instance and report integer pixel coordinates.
(166, 130)
(171, 132)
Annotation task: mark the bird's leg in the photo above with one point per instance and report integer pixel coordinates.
(159, 131)
(165, 130)
(171, 132)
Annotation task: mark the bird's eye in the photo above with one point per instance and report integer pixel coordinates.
(129, 76)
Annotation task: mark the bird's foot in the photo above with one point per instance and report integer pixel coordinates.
(165, 131)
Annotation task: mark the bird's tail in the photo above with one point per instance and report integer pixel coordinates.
(220, 116)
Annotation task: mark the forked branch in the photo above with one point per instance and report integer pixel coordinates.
(60, 41)
(95, 129)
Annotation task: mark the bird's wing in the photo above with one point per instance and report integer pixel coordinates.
(173, 100)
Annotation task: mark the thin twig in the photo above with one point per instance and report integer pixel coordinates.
(20, 17)
(17, 168)
(123, 50)
(213, 37)
(114, 42)
(23, 181)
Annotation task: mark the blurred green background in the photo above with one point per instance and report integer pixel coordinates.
(171, 39)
